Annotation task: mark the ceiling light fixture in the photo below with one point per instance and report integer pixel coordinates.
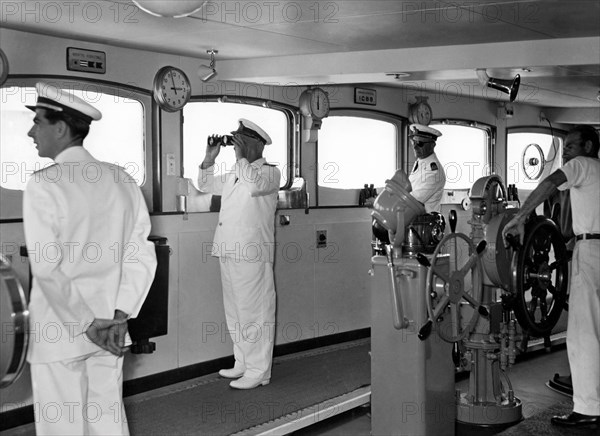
(212, 72)
(398, 75)
(169, 8)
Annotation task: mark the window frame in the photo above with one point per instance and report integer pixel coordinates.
(401, 124)
(143, 96)
(291, 114)
(561, 133)
(490, 147)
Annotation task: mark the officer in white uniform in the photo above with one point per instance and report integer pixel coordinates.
(86, 228)
(427, 177)
(245, 243)
(581, 175)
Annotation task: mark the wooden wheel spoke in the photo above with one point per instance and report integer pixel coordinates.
(439, 308)
(467, 267)
(544, 309)
(533, 304)
(455, 320)
(557, 264)
(470, 299)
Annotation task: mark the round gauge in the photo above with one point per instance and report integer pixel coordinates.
(3, 67)
(172, 89)
(420, 113)
(533, 161)
(314, 102)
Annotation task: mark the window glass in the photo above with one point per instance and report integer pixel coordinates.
(354, 151)
(462, 151)
(529, 155)
(117, 138)
(202, 119)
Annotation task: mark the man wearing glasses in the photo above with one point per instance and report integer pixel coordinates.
(427, 177)
(245, 241)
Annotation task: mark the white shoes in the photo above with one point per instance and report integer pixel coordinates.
(231, 373)
(248, 383)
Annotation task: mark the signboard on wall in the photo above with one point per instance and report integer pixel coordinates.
(88, 61)
(365, 96)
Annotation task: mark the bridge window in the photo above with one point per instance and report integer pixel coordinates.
(203, 118)
(354, 151)
(112, 139)
(463, 150)
(117, 138)
(531, 156)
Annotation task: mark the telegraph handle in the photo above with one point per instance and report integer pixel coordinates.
(452, 220)
(480, 249)
(456, 355)
(400, 322)
(425, 331)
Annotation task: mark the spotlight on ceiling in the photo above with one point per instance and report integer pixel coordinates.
(398, 75)
(510, 86)
(170, 8)
(207, 72)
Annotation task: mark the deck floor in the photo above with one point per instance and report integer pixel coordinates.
(528, 378)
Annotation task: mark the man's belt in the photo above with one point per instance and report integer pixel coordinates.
(588, 236)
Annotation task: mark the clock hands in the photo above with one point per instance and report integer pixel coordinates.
(174, 88)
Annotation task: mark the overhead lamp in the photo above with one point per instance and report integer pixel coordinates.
(207, 72)
(508, 86)
(169, 8)
(398, 75)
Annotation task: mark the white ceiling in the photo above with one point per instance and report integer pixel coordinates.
(553, 45)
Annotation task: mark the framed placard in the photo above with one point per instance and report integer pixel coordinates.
(365, 96)
(88, 61)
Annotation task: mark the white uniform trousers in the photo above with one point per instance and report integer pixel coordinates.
(583, 329)
(80, 396)
(249, 300)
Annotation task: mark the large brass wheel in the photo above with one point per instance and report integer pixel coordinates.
(539, 277)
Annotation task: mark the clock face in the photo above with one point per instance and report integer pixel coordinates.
(319, 103)
(314, 103)
(424, 113)
(421, 113)
(172, 89)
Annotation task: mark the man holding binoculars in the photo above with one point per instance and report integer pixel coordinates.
(245, 243)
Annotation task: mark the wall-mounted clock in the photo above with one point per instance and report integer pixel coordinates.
(314, 103)
(172, 89)
(420, 112)
(3, 67)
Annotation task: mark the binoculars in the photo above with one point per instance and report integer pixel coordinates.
(222, 140)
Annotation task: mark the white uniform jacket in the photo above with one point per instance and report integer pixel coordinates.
(246, 228)
(86, 229)
(428, 179)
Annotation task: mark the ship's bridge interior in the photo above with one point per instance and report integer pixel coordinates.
(432, 311)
